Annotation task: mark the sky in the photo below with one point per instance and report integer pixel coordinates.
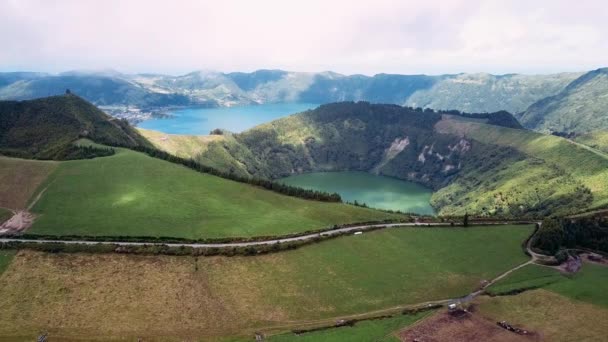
(350, 37)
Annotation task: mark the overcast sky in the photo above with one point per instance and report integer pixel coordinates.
(367, 37)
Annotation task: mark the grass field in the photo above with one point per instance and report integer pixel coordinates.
(6, 256)
(5, 214)
(585, 165)
(555, 317)
(374, 330)
(528, 277)
(132, 194)
(79, 295)
(19, 179)
(587, 285)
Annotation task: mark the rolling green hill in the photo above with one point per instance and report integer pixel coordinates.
(581, 107)
(485, 165)
(136, 195)
(46, 128)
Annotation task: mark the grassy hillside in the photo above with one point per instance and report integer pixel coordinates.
(580, 165)
(141, 196)
(374, 330)
(587, 285)
(46, 128)
(555, 317)
(20, 178)
(596, 139)
(489, 93)
(185, 146)
(78, 295)
(579, 107)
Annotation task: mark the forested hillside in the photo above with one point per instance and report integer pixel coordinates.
(47, 128)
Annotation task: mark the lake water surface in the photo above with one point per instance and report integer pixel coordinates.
(200, 121)
(375, 191)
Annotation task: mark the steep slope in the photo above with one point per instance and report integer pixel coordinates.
(472, 162)
(596, 139)
(47, 128)
(581, 107)
(586, 169)
(489, 93)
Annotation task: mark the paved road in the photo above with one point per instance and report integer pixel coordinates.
(326, 233)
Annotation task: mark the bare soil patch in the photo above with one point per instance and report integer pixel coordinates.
(465, 327)
(17, 223)
(594, 258)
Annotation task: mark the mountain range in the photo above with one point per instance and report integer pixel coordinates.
(549, 103)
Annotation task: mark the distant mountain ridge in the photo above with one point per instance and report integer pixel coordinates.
(580, 107)
(463, 92)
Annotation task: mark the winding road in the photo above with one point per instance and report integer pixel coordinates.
(301, 238)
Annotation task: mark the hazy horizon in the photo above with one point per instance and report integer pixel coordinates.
(384, 36)
(110, 71)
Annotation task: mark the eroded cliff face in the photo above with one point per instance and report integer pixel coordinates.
(382, 139)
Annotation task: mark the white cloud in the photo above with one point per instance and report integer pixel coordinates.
(345, 36)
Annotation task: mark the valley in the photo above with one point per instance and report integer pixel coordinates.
(303, 171)
(377, 215)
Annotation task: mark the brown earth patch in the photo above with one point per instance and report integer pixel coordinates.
(465, 327)
(18, 223)
(19, 180)
(118, 296)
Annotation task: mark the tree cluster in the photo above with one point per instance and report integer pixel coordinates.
(559, 233)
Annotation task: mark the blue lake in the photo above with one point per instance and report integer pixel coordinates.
(200, 121)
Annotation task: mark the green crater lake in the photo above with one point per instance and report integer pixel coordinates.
(375, 191)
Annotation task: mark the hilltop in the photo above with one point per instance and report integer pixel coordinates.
(47, 128)
(580, 107)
